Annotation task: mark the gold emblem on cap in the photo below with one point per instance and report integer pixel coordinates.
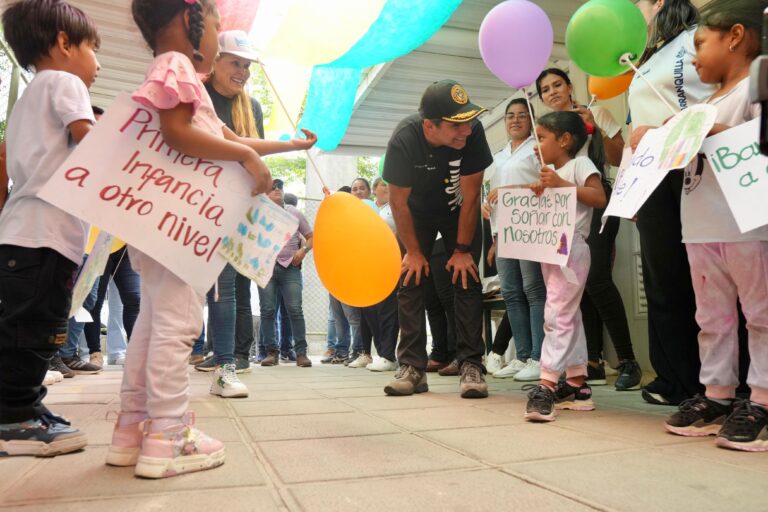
(459, 95)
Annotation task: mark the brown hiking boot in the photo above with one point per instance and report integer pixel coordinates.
(450, 370)
(472, 382)
(303, 361)
(408, 380)
(272, 359)
(433, 366)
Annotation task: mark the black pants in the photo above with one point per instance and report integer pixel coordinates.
(468, 303)
(438, 301)
(244, 334)
(35, 297)
(382, 320)
(602, 301)
(127, 281)
(672, 328)
(503, 336)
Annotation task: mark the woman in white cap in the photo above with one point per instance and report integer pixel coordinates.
(230, 325)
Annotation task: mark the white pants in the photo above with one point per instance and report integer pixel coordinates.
(156, 378)
(565, 344)
(721, 274)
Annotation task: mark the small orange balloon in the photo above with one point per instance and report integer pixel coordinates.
(607, 88)
(356, 254)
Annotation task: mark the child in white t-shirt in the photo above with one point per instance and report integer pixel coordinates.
(561, 136)
(726, 264)
(41, 246)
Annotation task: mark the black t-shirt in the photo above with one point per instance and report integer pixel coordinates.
(432, 173)
(223, 107)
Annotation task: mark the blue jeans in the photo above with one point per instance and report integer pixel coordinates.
(330, 341)
(355, 318)
(221, 317)
(75, 328)
(524, 292)
(283, 324)
(287, 281)
(343, 331)
(198, 349)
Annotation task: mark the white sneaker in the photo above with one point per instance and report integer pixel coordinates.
(382, 365)
(226, 384)
(510, 370)
(531, 371)
(50, 378)
(362, 361)
(118, 359)
(494, 362)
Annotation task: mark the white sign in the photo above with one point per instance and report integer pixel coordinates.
(173, 207)
(92, 268)
(670, 147)
(742, 172)
(260, 236)
(536, 228)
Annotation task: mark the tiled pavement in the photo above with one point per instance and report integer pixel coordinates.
(327, 439)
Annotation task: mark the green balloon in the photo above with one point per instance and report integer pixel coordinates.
(381, 165)
(601, 31)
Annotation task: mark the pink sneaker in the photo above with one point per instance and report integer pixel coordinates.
(178, 449)
(126, 441)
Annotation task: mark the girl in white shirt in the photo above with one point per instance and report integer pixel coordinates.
(726, 264)
(561, 136)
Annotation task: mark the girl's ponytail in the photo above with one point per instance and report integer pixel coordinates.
(196, 28)
(596, 151)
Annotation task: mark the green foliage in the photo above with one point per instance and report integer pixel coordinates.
(287, 169)
(258, 87)
(367, 168)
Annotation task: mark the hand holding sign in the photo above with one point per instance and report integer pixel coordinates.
(550, 179)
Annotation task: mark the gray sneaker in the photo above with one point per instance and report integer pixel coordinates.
(80, 367)
(471, 381)
(408, 380)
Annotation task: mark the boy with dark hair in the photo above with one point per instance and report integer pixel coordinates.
(40, 245)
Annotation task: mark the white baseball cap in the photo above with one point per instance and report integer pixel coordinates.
(237, 42)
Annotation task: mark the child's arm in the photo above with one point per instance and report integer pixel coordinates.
(591, 194)
(79, 129)
(269, 147)
(718, 128)
(180, 134)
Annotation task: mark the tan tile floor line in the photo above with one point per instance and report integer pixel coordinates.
(556, 490)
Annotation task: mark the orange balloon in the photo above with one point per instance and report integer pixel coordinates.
(356, 254)
(607, 88)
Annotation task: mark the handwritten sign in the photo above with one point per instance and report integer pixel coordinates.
(536, 228)
(742, 172)
(670, 147)
(171, 206)
(92, 268)
(260, 237)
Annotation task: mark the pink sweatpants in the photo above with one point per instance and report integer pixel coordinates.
(723, 273)
(156, 378)
(565, 344)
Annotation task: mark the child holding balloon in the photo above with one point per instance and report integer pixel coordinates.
(726, 264)
(561, 135)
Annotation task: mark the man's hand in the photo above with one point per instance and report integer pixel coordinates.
(414, 264)
(461, 264)
(298, 257)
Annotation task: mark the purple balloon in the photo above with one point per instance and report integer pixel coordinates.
(516, 41)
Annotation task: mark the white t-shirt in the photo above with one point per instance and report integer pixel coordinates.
(577, 171)
(605, 121)
(385, 212)
(38, 142)
(518, 167)
(671, 71)
(705, 214)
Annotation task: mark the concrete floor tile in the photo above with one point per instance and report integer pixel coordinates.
(342, 384)
(524, 442)
(709, 453)
(288, 407)
(376, 391)
(385, 403)
(80, 398)
(357, 457)
(84, 475)
(644, 480)
(292, 394)
(316, 426)
(457, 491)
(436, 418)
(209, 407)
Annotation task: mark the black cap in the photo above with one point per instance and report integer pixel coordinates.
(449, 101)
(277, 183)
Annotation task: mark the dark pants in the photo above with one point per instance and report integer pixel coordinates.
(283, 327)
(468, 303)
(672, 328)
(602, 301)
(438, 301)
(127, 282)
(384, 324)
(244, 334)
(35, 297)
(503, 335)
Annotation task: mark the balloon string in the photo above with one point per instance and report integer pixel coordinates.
(293, 124)
(591, 102)
(533, 124)
(626, 60)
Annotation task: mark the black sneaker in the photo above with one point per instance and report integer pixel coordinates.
(698, 416)
(596, 376)
(541, 403)
(208, 365)
(745, 429)
(630, 375)
(43, 437)
(80, 367)
(242, 365)
(572, 398)
(290, 357)
(57, 365)
(340, 359)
